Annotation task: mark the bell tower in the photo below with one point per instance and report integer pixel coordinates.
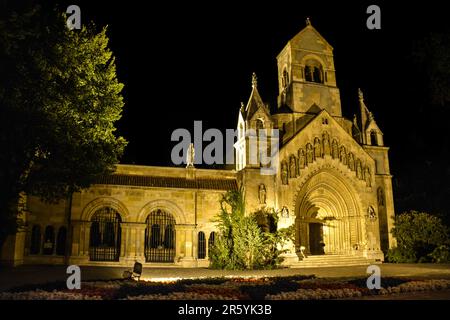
(306, 74)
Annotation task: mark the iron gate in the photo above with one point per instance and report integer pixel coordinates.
(105, 235)
(160, 237)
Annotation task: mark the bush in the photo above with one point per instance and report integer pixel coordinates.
(246, 241)
(421, 237)
(441, 254)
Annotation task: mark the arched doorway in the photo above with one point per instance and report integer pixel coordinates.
(329, 220)
(105, 235)
(160, 237)
(316, 241)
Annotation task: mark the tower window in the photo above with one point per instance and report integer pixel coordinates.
(285, 79)
(314, 72)
(309, 73)
(373, 138)
(259, 124)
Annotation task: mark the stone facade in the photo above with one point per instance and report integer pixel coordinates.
(332, 184)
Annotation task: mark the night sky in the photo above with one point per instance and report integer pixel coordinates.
(189, 61)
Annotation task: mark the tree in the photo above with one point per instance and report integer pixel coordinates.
(59, 101)
(246, 241)
(421, 237)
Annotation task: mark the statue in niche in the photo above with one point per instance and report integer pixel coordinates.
(358, 169)
(301, 158)
(326, 144)
(368, 177)
(343, 155)
(309, 153)
(380, 196)
(351, 161)
(285, 212)
(317, 148)
(334, 150)
(262, 194)
(372, 215)
(284, 173)
(292, 167)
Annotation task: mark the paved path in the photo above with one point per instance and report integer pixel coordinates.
(11, 277)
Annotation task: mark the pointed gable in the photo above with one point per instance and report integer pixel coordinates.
(309, 38)
(255, 102)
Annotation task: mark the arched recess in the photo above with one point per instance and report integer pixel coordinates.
(329, 215)
(98, 203)
(164, 205)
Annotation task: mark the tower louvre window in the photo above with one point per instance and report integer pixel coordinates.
(373, 138)
(314, 71)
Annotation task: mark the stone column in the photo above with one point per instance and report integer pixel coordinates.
(76, 238)
(179, 243)
(86, 239)
(187, 232)
(126, 243)
(140, 241)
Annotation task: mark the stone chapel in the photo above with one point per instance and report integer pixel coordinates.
(332, 183)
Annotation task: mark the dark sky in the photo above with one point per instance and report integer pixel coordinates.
(189, 61)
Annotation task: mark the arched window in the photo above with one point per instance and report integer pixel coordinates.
(259, 123)
(318, 75)
(211, 241)
(285, 79)
(373, 138)
(309, 70)
(160, 237)
(49, 241)
(201, 245)
(105, 235)
(314, 71)
(61, 241)
(35, 245)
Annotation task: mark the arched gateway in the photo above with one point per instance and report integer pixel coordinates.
(329, 218)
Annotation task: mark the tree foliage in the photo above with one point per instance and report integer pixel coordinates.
(245, 241)
(421, 237)
(59, 101)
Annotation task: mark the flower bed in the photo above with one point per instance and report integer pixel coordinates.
(276, 288)
(316, 294)
(46, 295)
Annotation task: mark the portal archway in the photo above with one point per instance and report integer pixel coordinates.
(329, 219)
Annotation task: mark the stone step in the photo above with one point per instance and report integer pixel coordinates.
(332, 261)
